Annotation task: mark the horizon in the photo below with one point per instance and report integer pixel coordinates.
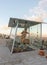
(6, 30)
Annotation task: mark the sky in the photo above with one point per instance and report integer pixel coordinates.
(25, 9)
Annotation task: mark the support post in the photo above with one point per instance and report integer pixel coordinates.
(41, 34)
(14, 38)
(10, 31)
(29, 36)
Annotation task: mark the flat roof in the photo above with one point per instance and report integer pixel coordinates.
(22, 22)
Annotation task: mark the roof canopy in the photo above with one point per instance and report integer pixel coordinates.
(22, 22)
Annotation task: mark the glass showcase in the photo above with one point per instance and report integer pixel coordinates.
(25, 35)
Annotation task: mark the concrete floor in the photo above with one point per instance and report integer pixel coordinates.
(24, 58)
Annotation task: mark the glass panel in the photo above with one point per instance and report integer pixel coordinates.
(44, 35)
(12, 33)
(10, 41)
(35, 36)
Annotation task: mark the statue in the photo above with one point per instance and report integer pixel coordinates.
(23, 36)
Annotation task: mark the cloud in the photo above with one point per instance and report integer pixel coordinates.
(5, 29)
(39, 12)
(43, 4)
(34, 18)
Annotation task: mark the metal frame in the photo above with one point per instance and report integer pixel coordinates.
(29, 34)
(41, 34)
(14, 38)
(10, 31)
